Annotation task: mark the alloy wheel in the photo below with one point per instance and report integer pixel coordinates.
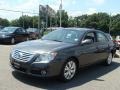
(69, 70)
(12, 41)
(109, 60)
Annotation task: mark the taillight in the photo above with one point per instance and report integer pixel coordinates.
(118, 41)
(114, 41)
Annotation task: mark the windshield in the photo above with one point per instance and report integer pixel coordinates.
(8, 30)
(68, 36)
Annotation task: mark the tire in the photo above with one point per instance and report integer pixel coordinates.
(109, 59)
(37, 37)
(27, 39)
(12, 41)
(68, 71)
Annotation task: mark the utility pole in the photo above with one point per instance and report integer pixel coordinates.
(50, 22)
(110, 23)
(46, 16)
(39, 22)
(23, 20)
(33, 21)
(60, 8)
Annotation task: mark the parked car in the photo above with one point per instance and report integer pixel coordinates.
(117, 40)
(33, 32)
(62, 52)
(13, 34)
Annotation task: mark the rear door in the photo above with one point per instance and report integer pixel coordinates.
(21, 34)
(102, 45)
(24, 34)
(18, 35)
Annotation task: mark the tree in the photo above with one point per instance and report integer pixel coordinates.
(64, 18)
(96, 21)
(26, 22)
(4, 22)
(15, 23)
(71, 22)
(115, 27)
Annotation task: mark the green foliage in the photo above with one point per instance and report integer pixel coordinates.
(26, 22)
(64, 18)
(4, 22)
(99, 21)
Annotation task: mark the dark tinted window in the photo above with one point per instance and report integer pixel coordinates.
(90, 35)
(19, 30)
(101, 37)
(23, 30)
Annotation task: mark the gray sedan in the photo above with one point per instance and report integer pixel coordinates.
(62, 52)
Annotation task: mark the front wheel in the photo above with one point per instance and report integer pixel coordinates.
(109, 59)
(12, 41)
(27, 39)
(68, 71)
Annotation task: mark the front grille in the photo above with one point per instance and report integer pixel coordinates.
(22, 56)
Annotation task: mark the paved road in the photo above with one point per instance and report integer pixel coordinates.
(96, 77)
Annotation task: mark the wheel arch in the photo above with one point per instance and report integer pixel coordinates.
(75, 59)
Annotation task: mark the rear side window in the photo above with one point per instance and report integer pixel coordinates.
(23, 30)
(19, 30)
(101, 37)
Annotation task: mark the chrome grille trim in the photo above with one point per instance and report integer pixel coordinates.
(22, 56)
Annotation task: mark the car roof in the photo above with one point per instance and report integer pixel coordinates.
(82, 29)
(13, 27)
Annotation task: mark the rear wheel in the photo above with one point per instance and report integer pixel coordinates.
(37, 37)
(27, 39)
(109, 59)
(69, 70)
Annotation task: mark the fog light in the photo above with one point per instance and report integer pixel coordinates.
(43, 72)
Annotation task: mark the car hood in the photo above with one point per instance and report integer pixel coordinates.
(3, 33)
(39, 46)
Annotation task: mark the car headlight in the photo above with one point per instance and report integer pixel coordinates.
(4, 36)
(45, 57)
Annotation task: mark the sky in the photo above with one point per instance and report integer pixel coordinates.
(73, 7)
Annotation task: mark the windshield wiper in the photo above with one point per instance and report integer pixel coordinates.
(57, 40)
(52, 40)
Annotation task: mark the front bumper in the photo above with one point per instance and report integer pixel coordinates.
(5, 39)
(37, 69)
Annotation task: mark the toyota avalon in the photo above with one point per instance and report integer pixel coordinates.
(62, 52)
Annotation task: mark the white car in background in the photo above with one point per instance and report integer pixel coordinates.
(117, 40)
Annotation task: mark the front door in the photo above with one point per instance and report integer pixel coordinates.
(87, 52)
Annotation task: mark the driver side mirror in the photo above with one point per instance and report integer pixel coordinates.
(87, 41)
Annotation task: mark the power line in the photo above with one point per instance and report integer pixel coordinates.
(17, 11)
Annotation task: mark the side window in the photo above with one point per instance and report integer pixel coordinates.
(101, 37)
(23, 31)
(18, 30)
(90, 35)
